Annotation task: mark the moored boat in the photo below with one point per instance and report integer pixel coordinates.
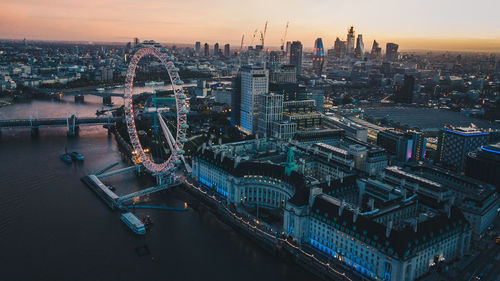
(76, 156)
(134, 223)
(66, 158)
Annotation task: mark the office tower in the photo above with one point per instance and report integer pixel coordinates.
(270, 110)
(197, 47)
(227, 50)
(284, 74)
(254, 82)
(403, 146)
(296, 55)
(288, 46)
(391, 51)
(136, 42)
(206, 50)
(318, 56)
(339, 48)
(404, 94)
(484, 164)
(274, 59)
(350, 41)
(360, 47)
(216, 49)
(376, 50)
(454, 144)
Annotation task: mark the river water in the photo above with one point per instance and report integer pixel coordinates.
(52, 227)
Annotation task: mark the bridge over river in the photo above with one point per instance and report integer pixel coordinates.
(72, 122)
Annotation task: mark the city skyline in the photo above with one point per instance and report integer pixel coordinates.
(445, 25)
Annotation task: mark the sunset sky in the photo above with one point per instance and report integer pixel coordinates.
(416, 24)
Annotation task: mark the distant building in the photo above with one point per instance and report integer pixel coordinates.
(376, 52)
(284, 130)
(236, 101)
(274, 59)
(103, 74)
(359, 52)
(288, 48)
(404, 93)
(296, 56)
(350, 128)
(197, 47)
(403, 146)
(283, 75)
(318, 56)
(391, 51)
(254, 82)
(484, 164)
(350, 41)
(477, 200)
(206, 50)
(216, 49)
(319, 99)
(339, 48)
(223, 95)
(270, 110)
(227, 50)
(454, 144)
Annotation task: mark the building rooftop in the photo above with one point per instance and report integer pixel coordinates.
(400, 243)
(297, 180)
(424, 119)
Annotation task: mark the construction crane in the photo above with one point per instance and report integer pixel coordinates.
(283, 39)
(263, 35)
(253, 37)
(242, 38)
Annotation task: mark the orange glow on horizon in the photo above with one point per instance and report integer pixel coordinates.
(426, 24)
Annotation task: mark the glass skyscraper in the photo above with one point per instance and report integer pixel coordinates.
(318, 56)
(296, 55)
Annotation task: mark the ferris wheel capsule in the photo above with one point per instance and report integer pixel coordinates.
(179, 82)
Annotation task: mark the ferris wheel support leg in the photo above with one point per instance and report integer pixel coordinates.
(167, 133)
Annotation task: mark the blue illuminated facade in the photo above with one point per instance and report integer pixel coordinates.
(454, 145)
(372, 249)
(484, 164)
(350, 263)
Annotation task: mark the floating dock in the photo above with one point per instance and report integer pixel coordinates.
(108, 196)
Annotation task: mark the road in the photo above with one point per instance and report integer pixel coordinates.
(484, 264)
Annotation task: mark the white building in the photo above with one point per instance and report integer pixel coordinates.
(254, 82)
(376, 250)
(270, 110)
